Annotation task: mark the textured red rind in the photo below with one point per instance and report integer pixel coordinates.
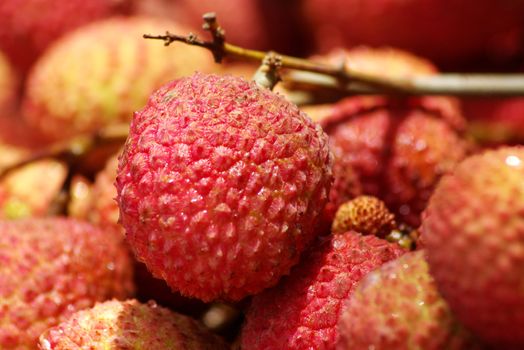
(473, 230)
(399, 307)
(29, 26)
(220, 185)
(365, 214)
(129, 324)
(303, 310)
(50, 268)
(397, 148)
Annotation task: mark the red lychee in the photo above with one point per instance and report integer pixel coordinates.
(65, 97)
(50, 268)
(129, 324)
(398, 148)
(220, 185)
(29, 26)
(449, 32)
(473, 230)
(303, 310)
(399, 307)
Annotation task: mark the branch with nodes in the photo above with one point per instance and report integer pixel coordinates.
(350, 81)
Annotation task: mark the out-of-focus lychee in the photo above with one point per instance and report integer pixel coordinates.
(31, 189)
(66, 97)
(51, 268)
(30, 26)
(449, 32)
(398, 306)
(398, 148)
(119, 325)
(473, 231)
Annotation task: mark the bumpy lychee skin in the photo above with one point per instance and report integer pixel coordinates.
(449, 32)
(367, 215)
(398, 306)
(473, 230)
(65, 97)
(120, 325)
(398, 149)
(303, 310)
(29, 26)
(220, 185)
(51, 268)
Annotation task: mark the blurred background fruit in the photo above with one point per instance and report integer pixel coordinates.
(452, 33)
(30, 26)
(66, 97)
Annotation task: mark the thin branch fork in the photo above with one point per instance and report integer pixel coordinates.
(352, 81)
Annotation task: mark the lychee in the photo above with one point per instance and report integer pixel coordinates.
(398, 148)
(51, 268)
(398, 306)
(303, 310)
(449, 32)
(29, 26)
(367, 215)
(67, 97)
(473, 230)
(119, 325)
(31, 190)
(220, 185)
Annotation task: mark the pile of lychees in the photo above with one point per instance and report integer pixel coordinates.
(152, 199)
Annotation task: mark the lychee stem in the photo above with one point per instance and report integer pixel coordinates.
(73, 151)
(268, 74)
(351, 81)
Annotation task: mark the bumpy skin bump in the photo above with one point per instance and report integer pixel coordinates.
(303, 310)
(365, 214)
(29, 26)
(399, 307)
(449, 32)
(50, 268)
(473, 231)
(220, 185)
(122, 325)
(398, 149)
(65, 96)
(102, 210)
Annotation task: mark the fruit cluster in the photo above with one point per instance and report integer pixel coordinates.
(234, 216)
